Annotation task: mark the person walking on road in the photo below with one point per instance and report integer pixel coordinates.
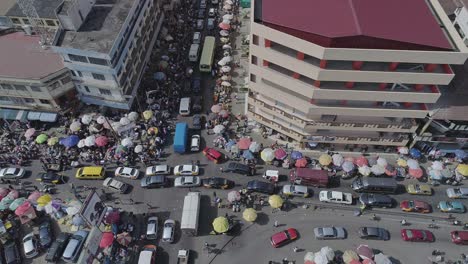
(276, 224)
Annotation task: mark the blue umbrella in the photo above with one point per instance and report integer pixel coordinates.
(159, 76)
(248, 155)
(70, 141)
(78, 221)
(230, 144)
(415, 153)
(461, 154)
(296, 155)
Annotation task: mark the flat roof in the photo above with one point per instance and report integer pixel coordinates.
(44, 8)
(399, 21)
(101, 27)
(6, 5)
(23, 57)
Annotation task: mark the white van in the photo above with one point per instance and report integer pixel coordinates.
(195, 143)
(196, 38)
(184, 108)
(193, 53)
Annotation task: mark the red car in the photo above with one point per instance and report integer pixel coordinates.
(283, 237)
(417, 235)
(212, 154)
(459, 237)
(415, 206)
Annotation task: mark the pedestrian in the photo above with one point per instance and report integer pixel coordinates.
(2, 180)
(214, 194)
(10, 186)
(295, 249)
(226, 215)
(276, 224)
(35, 188)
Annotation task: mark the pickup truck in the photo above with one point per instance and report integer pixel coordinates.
(183, 256)
(335, 197)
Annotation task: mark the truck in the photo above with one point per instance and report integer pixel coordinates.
(193, 52)
(310, 177)
(336, 197)
(190, 213)
(180, 137)
(183, 256)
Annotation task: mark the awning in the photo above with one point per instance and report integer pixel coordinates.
(32, 116)
(42, 116)
(12, 114)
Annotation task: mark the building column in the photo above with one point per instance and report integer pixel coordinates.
(418, 87)
(265, 63)
(393, 66)
(267, 43)
(430, 67)
(383, 86)
(349, 85)
(299, 56)
(357, 65)
(323, 64)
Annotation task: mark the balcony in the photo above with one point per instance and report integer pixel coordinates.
(280, 128)
(359, 138)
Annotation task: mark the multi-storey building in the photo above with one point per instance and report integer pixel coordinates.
(349, 73)
(106, 45)
(45, 9)
(5, 21)
(32, 78)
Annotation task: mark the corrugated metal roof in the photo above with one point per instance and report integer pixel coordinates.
(44, 8)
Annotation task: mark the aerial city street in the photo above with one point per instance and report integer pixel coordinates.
(233, 131)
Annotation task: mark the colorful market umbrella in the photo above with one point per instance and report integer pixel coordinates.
(244, 143)
(224, 113)
(325, 160)
(382, 162)
(20, 210)
(280, 154)
(148, 114)
(221, 224)
(361, 161)
(416, 173)
(29, 133)
(4, 191)
(127, 142)
(248, 155)
(415, 153)
(350, 255)
(86, 119)
(365, 252)
(219, 129)
(13, 194)
(106, 240)
(402, 163)
(435, 175)
(75, 126)
(90, 141)
(101, 141)
(255, 147)
(347, 166)
(463, 169)
(5, 203)
(412, 164)
(70, 141)
(267, 155)
(44, 199)
(42, 138)
(225, 69)
(233, 196)
(124, 121)
(133, 116)
(216, 108)
(461, 154)
(124, 239)
(101, 120)
(365, 170)
(382, 259)
(81, 143)
(301, 163)
(337, 159)
(437, 165)
(224, 26)
(403, 150)
(275, 201)
(138, 149)
(377, 169)
(390, 170)
(295, 155)
(16, 203)
(249, 214)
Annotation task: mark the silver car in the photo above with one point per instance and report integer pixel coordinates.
(329, 233)
(12, 173)
(187, 181)
(162, 169)
(168, 231)
(457, 193)
(296, 190)
(74, 246)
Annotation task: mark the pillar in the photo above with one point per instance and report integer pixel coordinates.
(296, 75)
(317, 83)
(382, 86)
(407, 104)
(349, 85)
(265, 63)
(344, 102)
(267, 43)
(430, 67)
(418, 87)
(393, 66)
(357, 65)
(312, 101)
(300, 55)
(323, 64)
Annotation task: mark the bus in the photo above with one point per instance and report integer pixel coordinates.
(207, 56)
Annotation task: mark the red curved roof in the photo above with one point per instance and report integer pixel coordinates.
(356, 23)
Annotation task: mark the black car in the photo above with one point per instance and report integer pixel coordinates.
(55, 251)
(197, 122)
(196, 84)
(375, 233)
(201, 13)
(376, 200)
(260, 186)
(45, 234)
(157, 181)
(239, 168)
(217, 183)
(197, 104)
(49, 177)
(12, 254)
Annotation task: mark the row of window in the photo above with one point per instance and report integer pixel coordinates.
(96, 76)
(101, 91)
(84, 59)
(18, 87)
(48, 22)
(21, 100)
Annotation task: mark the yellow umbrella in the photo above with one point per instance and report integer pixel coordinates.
(147, 114)
(275, 201)
(402, 163)
(44, 199)
(463, 169)
(221, 224)
(153, 130)
(325, 159)
(52, 141)
(249, 214)
(349, 256)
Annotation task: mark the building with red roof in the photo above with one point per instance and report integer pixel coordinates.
(349, 73)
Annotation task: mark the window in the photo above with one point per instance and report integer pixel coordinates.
(54, 86)
(105, 92)
(20, 88)
(254, 60)
(299, 112)
(26, 21)
(73, 73)
(255, 39)
(66, 79)
(79, 73)
(98, 61)
(77, 58)
(87, 89)
(98, 76)
(43, 101)
(253, 78)
(36, 89)
(28, 100)
(16, 21)
(50, 23)
(7, 86)
(4, 98)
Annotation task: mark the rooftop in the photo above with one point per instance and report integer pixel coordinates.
(44, 8)
(6, 5)
(101, 27)
(378, 24)
(23, 57)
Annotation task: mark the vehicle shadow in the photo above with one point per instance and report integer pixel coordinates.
(208, 213)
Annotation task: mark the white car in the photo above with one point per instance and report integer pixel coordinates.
(127, 172)
(162, 169)
(336, 197)
(187, 181)
(152, 228)
(115, 185)
(168, 231)
(12, 173)
(30, 246)
(457, 193)
(186, 170)
(296, 190)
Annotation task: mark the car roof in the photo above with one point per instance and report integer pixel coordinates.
(279, 237)
(462, 234)
(187, 167)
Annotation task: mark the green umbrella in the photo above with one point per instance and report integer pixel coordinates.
(221, 224)
(5, 203)
(16, 203)
(41, 138)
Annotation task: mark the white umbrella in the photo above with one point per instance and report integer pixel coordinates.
(218, 129)
(403, 150)
(437, 165)
(138, 148)
(382, 162)
(227, 21)
(227, 58)
(81, 143)
(228, 17)
(365, 170)
(320, 259)
(347, 166)
(224, 40)
(377, 169)
(133, 116)
(412, 164)
(337, 159)
(101, 120)
(116, 125)
(226, 46)
(227, 7)
(228, 2)
(233, 196)
(222, 62)
(225, 78)
(254, 147)
(382, 259)
(86, 119)
(90, 141)
(224, 33)
(328, 252)
(127, 142)
(75, 126)
(225, 83)
(124, 121)
(226, 69)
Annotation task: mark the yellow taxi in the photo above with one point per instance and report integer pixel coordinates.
(420, 189)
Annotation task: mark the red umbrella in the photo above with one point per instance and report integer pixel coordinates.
(224, 26)
(416, 173)
(355, 262)
(361, 161)
(34, 196)
(23, 208)
(280, 154)
(106, 240)
(365, 252)
(4, 191)
(112, 217)
(101, 141)
(13, 194)
(301, 163)
(368, 261)
(244, 143)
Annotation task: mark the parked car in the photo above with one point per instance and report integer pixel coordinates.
(239, 168)
(127, 172)
(147, 254)
(115, 185)
(152, 228)
(12, 173)
(417, 235)
(57, 247)
(260, 186)
(30, 246)
(283, 237)
(336, 197)
(375, 233)
(217, 183)
(211, 12)
(376, 200)
(330, 233)
(210, 23)
(421, 189)
(415, 206)
(200, 24)
(45, 234)
(201, 13)
(74, 246)
(157, 181)
(197, 122)
(11, 252)
(197, 104)
(451, 207)
(212, 154)
(168, 231)
(459, 237)
(50, 177)
(197, 36)
(162, 169)
(186, 170)
(296, 190)
(457, 193)
(187, 181)
(196, 84)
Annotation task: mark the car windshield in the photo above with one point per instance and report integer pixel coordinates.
(132, 172)
(449, 204)
(16, 171)
(329, 195)
(424, 236)
(457, 191)
(409, 233)
(287, 234)
(411, 204)
(417, 188)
